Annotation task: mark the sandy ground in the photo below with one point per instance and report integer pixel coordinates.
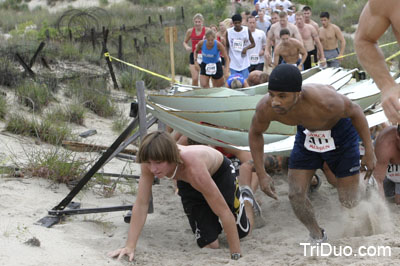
(167, 238)
(68, 4)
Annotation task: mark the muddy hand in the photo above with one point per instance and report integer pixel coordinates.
(267, 186)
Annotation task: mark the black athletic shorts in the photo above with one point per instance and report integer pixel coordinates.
(259, 66)
(217, 75)
(203, 221)
(191, 58)
(307, 64)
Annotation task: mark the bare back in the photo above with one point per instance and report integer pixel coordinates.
(195, 157)
(319, 107)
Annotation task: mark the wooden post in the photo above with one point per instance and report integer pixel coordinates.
(120, 47)
(25, 66)
(44, 62)
(145, 41)
(110, 67)
(142, 108)
(171, 36)
(171, 52)
(149, 20)
(183, 14)
(70, 35)
(33, 59)
(161, 19)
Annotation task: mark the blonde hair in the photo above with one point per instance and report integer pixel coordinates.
(158, 146)
(236, 84)
(228, 23)
(210, 32)
(198, 16)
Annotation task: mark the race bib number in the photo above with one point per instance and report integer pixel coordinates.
(211, 69)
(237, 45)
(393, 172)
(319, 141)
(199, 58)
(254, 58)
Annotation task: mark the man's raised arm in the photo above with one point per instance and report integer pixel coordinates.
(372, 25)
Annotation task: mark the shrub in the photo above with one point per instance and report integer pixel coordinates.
(57, 164)
(3, 107)
(73, 113)
(47, 130)
(120, 123)
(34, 95)
(9, 74)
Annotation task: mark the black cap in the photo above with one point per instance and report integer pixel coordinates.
(285, 78)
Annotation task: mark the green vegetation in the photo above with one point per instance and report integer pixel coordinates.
(50, 131)
(3, 107)
(57, 164)
(73, 113)
(35, 96)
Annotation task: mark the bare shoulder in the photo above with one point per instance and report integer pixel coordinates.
(336, 27)
(321, 94)
(391, 7)
(264, 109)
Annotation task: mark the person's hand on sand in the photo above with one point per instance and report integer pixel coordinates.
(391, 104)
(267, 186)
(368, 163)
(130, 252)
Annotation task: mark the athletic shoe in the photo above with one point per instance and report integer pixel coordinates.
(246, 192)
(316, 186)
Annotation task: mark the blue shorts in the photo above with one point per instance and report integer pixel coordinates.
(244, 72)
(343, 161)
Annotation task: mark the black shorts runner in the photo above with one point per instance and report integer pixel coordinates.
(217, 75)
(203, 221)
(191, 59)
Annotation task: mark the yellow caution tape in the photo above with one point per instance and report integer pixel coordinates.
(343, 56)
(392, 56)
(107, 54)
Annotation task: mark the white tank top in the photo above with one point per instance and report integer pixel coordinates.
(238, 41)
(253, 54)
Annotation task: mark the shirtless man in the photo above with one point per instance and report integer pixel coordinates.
(310, 41)
(330, 34)
(387, 170)
(307, 17)
(327, 126)
(208, 188)
(273, 37)
(375, 19)
(290, 50)
(195, 34)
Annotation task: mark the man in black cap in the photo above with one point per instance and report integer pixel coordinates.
(327, 125)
